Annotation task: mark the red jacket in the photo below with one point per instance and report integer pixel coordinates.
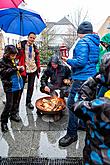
(21, 58)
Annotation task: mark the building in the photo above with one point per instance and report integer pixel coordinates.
(63, 32)
(58, 33)
(105, 28)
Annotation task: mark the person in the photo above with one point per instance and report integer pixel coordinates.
(29, 57)
(104, 48)
(56, 76)
(12, 84)
(83, 65)
(96, 114)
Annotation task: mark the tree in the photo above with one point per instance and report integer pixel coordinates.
(45, 51)
(76, 18)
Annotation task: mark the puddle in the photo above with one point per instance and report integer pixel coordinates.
(4, 147)
(49, 149)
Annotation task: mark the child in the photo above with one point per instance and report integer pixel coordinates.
(96, 115)
(12, 85)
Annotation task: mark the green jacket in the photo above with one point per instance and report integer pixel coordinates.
(103, 50)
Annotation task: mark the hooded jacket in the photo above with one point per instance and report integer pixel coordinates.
(96, 115)
(56, 75)
(85, 57)
(103, 50)
(10, 76)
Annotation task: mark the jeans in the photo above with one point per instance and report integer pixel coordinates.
(73, 120)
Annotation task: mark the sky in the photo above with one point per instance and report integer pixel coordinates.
(54, 10)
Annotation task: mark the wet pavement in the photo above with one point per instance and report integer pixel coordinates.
(37, 136)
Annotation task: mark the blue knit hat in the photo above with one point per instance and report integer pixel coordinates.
(85, 28)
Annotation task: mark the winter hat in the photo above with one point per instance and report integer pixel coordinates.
(85, 28)
(55, 59)
(10, 49)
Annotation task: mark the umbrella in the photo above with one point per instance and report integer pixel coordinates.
(21, 22)
(9, 3)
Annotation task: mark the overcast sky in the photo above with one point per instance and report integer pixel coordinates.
(54, 10)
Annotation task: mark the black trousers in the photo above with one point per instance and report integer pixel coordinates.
(30, 79)
(11, 106)
(30, 87)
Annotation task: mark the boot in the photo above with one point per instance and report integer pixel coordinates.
(30, 106)
(15, 118)
(67, 140)
(4, 127)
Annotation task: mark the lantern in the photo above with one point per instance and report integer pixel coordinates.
(64, 51)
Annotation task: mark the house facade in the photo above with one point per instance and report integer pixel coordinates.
(105, 28)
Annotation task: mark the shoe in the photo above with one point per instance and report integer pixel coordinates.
(39, 113)
(67, 140)
(15, 118)
(80, 128)
(30, 106)
(4, 127)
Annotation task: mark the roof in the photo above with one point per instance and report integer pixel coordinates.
(63, 21)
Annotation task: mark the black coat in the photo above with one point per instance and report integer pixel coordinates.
(11, 80)
(55, 76)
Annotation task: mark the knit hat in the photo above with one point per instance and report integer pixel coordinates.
(10, 49)
(85, 28)
(55, 59)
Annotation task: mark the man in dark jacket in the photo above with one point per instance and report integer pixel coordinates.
(59, 76)
(29, 57)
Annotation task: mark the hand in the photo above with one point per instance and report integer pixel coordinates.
(47, 89)
(20, 68)
(64, 58)
(67, 81)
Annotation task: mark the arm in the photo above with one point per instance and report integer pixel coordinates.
(80, 55)
(6, 70)
(44, 78)
(88, 89)
(37, 60)
(81, 109)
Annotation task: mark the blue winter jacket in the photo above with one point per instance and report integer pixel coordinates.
(10, 76)
(85, 57)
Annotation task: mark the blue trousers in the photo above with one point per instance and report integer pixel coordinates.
(73, 120)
